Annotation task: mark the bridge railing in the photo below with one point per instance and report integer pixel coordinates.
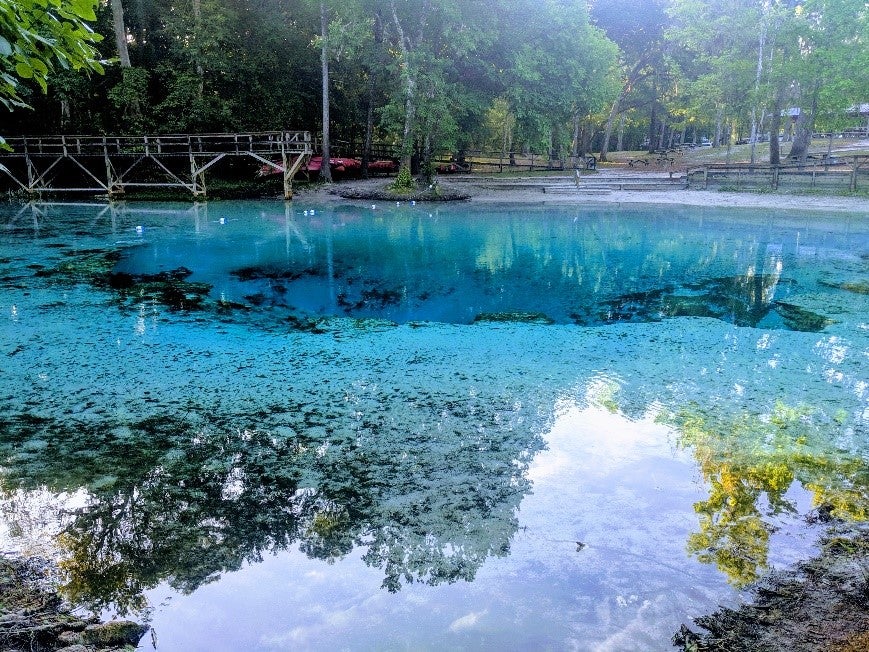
(266, 142)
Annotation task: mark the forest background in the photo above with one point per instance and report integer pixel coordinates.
(432, 76)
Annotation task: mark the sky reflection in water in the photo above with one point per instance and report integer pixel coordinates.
(415, 427)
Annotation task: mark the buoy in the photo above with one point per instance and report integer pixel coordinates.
(139, 229)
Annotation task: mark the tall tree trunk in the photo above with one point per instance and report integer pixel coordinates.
(369, 117)
(197, 35)
(760, 46)
(653, 117)
(719, 122)
(369, 126)
(325, 167)
(628, 84)
(120, 33)
(409, 94)
(775, 127)
(120, 29)
(608, 130)
(805, 126)
(621, 134)
(574, 145)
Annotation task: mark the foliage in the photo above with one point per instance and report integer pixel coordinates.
(439, 77)
(36, 36)
(404, 181)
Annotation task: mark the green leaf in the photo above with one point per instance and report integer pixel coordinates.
(84, 9)
(24, 70)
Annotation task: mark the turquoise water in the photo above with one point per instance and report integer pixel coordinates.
(271, 427)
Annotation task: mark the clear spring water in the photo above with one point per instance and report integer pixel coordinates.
(407, 427)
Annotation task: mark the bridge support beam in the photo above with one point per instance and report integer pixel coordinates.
(91, 164)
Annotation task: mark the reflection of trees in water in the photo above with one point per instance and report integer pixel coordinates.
(590, 270)
(749, 463)
(189, 498)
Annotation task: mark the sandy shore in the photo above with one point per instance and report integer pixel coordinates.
(563, 190)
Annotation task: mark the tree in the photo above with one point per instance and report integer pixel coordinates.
(560, 71)
(36, 36)
(325, 167)
(829, 68)
(637, 26)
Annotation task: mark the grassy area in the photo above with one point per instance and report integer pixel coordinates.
(742, 153)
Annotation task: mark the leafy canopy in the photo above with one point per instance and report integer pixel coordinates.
(38, 35)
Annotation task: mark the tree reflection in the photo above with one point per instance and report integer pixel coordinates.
(189, 499)
(749, 462)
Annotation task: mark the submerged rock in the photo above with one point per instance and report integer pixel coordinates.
(514, 317)
(33, 616)
(114, 633)
(857, 287)
(818, 606)
(739, 300)
(800, 319)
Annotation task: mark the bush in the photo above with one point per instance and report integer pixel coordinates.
(404, 180)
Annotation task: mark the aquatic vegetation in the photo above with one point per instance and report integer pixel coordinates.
(97, 268)
(820, 604)
(170, 289)
(87, 266)
(327, 404)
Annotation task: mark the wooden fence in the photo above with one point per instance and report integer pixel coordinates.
(845, 173)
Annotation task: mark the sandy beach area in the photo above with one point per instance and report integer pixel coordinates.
(562, 189)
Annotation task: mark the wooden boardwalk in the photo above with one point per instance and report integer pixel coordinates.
(110, 165)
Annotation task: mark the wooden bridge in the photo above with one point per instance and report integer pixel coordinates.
(110, 165)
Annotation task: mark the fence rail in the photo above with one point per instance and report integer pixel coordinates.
(835, 172)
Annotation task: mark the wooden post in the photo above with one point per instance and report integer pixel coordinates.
(197, 180)
(110, 182)
(288, 183)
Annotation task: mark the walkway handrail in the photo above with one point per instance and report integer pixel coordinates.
(264, 142)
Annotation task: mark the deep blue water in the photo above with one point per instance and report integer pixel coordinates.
(267, 426)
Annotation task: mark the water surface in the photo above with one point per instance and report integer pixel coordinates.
(274, 427)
